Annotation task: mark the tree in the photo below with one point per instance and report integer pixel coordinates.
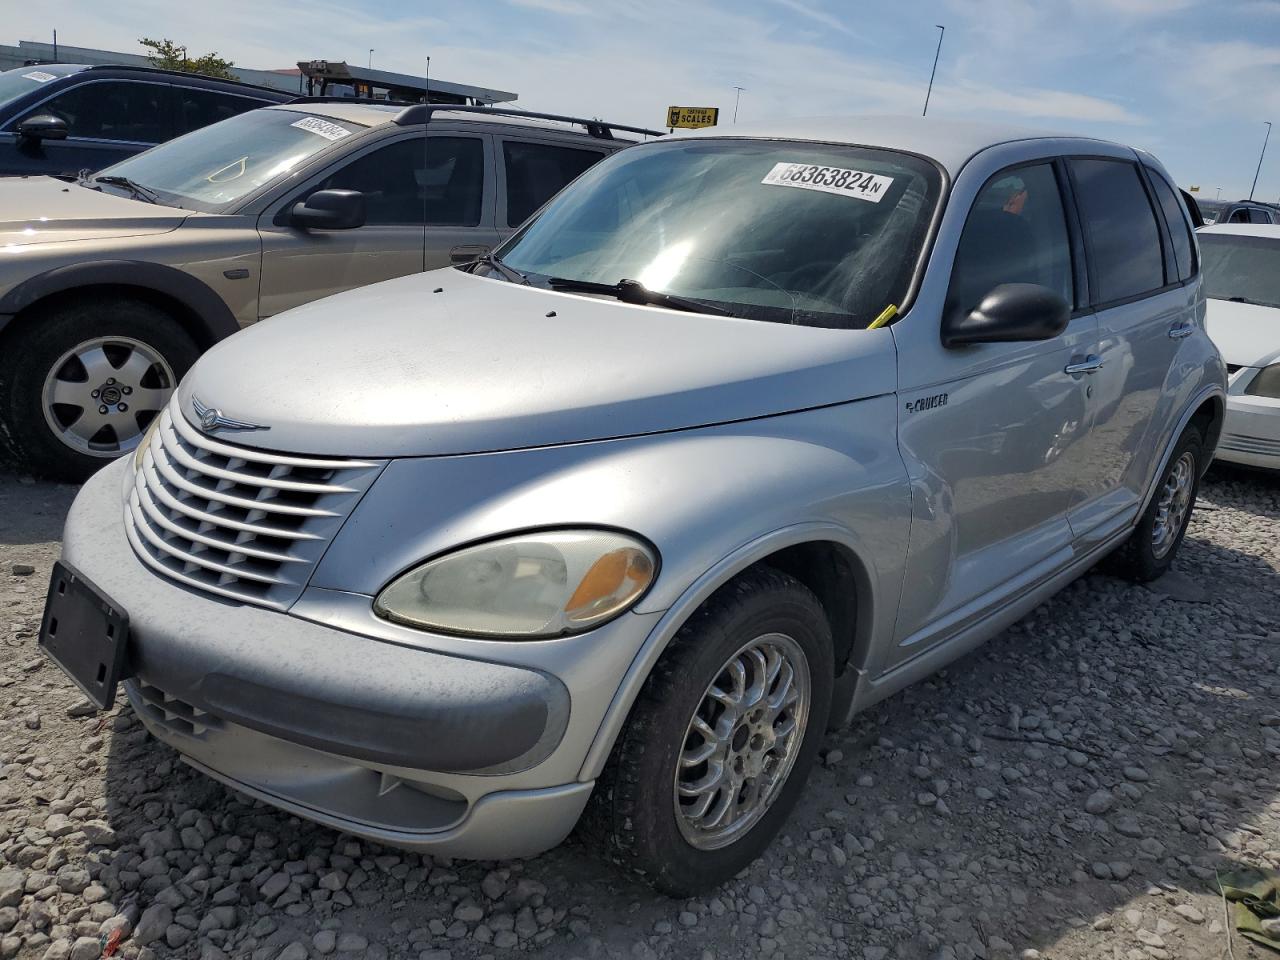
(172, 56)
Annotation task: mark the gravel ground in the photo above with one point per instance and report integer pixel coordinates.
(1065, 792)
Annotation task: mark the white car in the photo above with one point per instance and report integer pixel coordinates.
(1242, 282)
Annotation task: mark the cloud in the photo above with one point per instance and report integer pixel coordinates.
(565, 7)
(1031, 102)
(814, 14)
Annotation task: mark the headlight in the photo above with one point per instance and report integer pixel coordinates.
(141, 449)
(524, 587)
(1266, 383)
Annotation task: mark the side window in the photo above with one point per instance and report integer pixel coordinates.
(1016, 232)
(1179, 231)
(1120, 227)
(1240, 215)
(198, 108)
(1259, 216)
(537, 171)
(396, 183)
(113, 110)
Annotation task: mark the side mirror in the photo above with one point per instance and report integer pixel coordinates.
(43, 127)
(329, 210)
(1009, 313)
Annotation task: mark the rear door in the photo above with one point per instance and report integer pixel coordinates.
(1140, 284)
(532, 171)
(419, 197)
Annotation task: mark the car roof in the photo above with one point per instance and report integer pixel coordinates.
(1269, 230)
(374, 114)
(950, 142)
(70, 69)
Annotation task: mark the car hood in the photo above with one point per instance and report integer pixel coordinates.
(45, 210)
(1247, 335)
(447, 363)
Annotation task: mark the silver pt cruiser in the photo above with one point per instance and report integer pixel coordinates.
(737, 436)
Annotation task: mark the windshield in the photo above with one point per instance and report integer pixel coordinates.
(18, 83)
(1241, 268)
(804, 233)
(211, 168)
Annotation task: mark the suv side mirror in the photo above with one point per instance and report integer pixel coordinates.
(1009, 313)
(329, 210)
(43, 127)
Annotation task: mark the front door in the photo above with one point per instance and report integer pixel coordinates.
(1136, 279)
(444, 181)
(990, 433)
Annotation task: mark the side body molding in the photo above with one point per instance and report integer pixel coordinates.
(213, 317)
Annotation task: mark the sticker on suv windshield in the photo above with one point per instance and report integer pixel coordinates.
(837, 180)
(322, 128)
(39, 76)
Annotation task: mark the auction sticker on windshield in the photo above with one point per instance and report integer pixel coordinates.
(39, 76)
(321, 128)
(837, 180)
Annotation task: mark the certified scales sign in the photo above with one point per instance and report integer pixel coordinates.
(692, 117)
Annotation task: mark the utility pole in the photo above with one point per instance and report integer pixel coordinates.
(937, 53)
(1260, 156)
(371, 58)
(55, 46)
(1219, 196)
(737, 97)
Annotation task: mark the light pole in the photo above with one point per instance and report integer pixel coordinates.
(736, 98)
(371, 58)
(1219, 196)
(937, 53)
(184, 57)
(1260, 156)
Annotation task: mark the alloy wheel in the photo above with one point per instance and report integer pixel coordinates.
(1173, 505)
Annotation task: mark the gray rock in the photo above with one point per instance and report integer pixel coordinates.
(153, 923)
(274, 885)
(352, 943)
(12, 883)
(99, 833)
(294, 951)
(325, 942)
(1099, 802)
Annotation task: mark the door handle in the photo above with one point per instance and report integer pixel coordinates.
(1090, 364)
(467, 252)
(1180, 331)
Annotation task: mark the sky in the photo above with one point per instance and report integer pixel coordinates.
(1190, 80)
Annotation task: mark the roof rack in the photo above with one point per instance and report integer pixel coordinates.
(184, 73)
(421, 113)
(359, 100)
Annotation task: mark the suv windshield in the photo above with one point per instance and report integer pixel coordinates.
(790, 232)
(1241, 268)
(18, 83)
(211, 168)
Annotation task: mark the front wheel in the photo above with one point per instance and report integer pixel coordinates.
(721, 739)
(1151, 548)
(80, 384)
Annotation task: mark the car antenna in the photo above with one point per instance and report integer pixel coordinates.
(426, 124)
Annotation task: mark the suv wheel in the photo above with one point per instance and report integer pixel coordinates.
(1150, 550)
(721, 739)
(79, 385)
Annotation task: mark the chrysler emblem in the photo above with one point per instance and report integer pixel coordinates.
(211, 418)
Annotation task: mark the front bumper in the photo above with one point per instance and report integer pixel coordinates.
(1251, 432)
(404, 745)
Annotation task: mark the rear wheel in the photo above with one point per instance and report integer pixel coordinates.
(721, 739)
(80, 384)
(1151, 549)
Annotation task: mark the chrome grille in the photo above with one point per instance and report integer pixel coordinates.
(236, 521)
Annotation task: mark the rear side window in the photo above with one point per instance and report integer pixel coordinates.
(1015, 233)
(537, 171)
(1179, 231)
(1259, 216)
(1239, 216)
(1120, 227)
(199, 108)
(113, 110)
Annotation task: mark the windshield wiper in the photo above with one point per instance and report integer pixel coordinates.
(137, 189)
(1241, 300)
(633, 291)
(489, 260)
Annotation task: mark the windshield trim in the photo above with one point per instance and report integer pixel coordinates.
(931, 232)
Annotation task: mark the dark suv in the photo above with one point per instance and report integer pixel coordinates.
(63, 118)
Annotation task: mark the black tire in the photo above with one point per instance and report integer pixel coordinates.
(632, 816)
(34, 345)
(1138, 559)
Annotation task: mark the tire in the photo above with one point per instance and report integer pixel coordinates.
(41, 364)
(633, 814)
(1152, 547)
